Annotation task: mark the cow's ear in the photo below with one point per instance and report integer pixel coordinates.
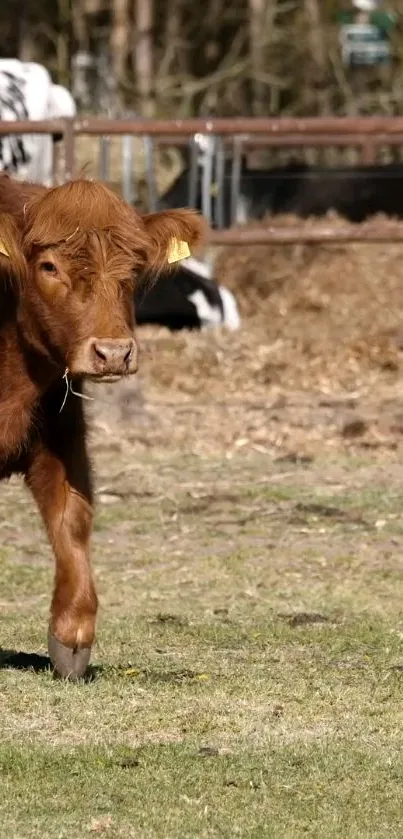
(174, 235)
(12, 262)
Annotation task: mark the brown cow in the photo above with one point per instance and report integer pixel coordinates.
(69, 258)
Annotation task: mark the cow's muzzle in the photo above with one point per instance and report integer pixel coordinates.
(107, 359)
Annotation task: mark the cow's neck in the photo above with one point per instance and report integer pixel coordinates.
(40, 368)
(24, 377)
(44, 361)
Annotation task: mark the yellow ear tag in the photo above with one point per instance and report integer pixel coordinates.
(178, 250)
(3, 249)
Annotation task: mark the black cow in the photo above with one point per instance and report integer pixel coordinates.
(354, 192)
(178, 194)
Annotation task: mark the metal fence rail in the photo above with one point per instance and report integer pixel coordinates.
(299, 234)
(367, 133)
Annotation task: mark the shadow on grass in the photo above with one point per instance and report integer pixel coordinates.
(13, 660)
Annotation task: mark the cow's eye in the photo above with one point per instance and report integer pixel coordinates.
(49, 267)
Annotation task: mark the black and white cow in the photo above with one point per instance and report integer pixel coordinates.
(27, 93)
(187, 297)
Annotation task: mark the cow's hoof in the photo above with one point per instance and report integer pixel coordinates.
(68, 663)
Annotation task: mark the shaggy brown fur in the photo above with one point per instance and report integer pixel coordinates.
(73, 254)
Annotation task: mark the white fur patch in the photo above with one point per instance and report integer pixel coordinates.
(211, 315)
(231, 317)
(208, 315)
(201, 269)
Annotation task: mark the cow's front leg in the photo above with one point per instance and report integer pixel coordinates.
(59, 479)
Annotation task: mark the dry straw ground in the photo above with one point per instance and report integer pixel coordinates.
(248, 555)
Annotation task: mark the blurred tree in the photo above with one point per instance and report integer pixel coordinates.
(119, 41)
(257, 35)
(178, 57)
(143, 56)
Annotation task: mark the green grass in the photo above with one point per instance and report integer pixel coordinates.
(181, 791)
(248, 672)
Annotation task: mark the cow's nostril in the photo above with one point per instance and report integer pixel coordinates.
(128, 355)
(100, 352)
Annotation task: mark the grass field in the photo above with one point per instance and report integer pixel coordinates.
(248, 674)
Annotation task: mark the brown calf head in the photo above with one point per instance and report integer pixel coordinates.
(76, 253)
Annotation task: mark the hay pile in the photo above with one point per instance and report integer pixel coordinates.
(314, 316)
(317, 361)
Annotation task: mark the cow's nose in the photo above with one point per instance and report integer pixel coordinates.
(112, 355)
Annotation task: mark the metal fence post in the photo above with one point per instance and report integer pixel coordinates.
(150, 173)
(235, 178)
(69, 149)
(207, 177)
(193, 179)
(219, 184)
(127, 168)
(104, 158)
